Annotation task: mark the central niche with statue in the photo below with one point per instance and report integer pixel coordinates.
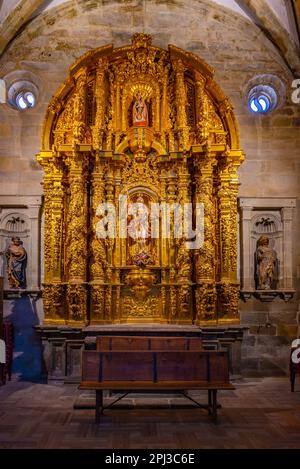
(131, 129)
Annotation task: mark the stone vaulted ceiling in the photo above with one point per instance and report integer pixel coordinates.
(279, 21)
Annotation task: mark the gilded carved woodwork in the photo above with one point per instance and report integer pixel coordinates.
(150, 125)
(98, 246)
(98, 303)
(77, 303)
(53, 300)
(76, 220)
(205, 257)
(80, 130)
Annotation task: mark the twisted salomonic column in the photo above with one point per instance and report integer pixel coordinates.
(99, 126)
(54, 200)
(181, 103)
(166, 124)
(183, 254)
(171, 199)
(228, 288)
(110, 243)
(76, 243)
(79, 124)
(98, 247)
(205, 257)
(202, 111)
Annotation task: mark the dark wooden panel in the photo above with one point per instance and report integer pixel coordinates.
(128, 366)
(181, 366)
(160, 366)
(168, 343)
(195, 343)
(122, 343)
(105, 343)
(218, 367)
(91, 366)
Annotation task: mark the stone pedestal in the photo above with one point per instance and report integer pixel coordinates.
(62, 346)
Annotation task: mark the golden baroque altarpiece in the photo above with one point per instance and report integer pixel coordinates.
(185, 149)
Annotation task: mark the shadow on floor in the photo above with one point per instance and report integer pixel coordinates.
(27, 362)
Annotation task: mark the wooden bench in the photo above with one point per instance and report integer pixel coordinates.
(147, 370)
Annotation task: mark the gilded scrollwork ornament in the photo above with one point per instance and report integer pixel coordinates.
(77, 303)
(54, 302)
(79, 112)
(183, 262)
(206, 297)
(184, 298)
(98, 303)
(228, 294)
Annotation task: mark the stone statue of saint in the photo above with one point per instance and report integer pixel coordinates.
(16, 256)
(139, 112)
(266, 265)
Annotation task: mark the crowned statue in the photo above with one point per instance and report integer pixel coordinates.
(140, 112)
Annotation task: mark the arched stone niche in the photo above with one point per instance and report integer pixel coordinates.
(270, 217)
(20, 216)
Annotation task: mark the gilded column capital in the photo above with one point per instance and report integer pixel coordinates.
(98, 246)
(99, 126)
(202, 110)
(181, 103)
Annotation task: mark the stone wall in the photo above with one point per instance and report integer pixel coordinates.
(237, 50)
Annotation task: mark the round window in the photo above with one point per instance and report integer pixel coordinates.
(22, 95)
(262, 99)
(25, 100)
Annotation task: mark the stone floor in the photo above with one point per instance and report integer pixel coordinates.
(260, 413)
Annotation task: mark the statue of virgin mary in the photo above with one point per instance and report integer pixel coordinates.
(139, 112)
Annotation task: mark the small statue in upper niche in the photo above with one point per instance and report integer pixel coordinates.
(16, 256)
(266, 265)
(139, 112)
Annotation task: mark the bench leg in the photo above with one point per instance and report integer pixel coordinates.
(1, 374)
(99, 405)
(293, 375)
(209, 401)
(214, 406)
